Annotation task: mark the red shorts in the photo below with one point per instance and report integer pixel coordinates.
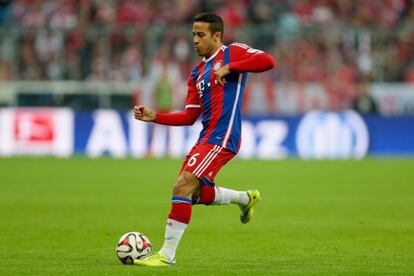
(205, 160)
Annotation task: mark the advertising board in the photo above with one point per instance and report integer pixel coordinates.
(315, 135)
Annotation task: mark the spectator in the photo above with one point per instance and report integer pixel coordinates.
(364, 103)
(163, 92)
(332, 42)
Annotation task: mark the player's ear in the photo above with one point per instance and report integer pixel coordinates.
(217, 36)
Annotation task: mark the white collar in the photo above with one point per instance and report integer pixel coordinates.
(215, 54)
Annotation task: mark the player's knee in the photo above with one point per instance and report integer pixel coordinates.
(207, 194)
(186, 185)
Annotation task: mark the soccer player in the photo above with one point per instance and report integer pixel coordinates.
(215, 91)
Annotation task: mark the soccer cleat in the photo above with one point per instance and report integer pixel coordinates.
(156, 260)
(247, 210)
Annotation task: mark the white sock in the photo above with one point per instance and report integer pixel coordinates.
(227, 196)
(173, 232)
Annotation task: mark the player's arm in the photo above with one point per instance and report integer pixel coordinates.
(245, 59)
(258, 62)
(183, 118)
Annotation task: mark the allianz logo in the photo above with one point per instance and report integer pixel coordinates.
(332, 135)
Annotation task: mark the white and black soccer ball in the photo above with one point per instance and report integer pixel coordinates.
(133, 246)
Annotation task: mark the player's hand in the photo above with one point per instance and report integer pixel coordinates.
(221, 73)
(144, 113)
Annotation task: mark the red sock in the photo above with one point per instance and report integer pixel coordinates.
(181, 209)
(207, 194)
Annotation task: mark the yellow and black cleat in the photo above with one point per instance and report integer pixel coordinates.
(247, 210)
(156, 260)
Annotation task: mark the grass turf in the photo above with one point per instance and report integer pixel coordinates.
(63, 216)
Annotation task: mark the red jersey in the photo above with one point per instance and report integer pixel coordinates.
(219, 106)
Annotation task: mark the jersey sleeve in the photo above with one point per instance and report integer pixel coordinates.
(193, 100)
(183, 118)
(240, 51)
(244, 58)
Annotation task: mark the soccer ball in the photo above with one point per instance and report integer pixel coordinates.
(132, 246)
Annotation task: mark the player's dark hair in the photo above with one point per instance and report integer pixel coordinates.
(215, 22)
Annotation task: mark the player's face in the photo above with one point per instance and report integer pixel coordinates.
(205, 43)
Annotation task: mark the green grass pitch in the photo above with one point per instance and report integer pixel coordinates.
(63, 216)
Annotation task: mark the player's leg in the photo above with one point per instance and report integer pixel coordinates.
(214, 195)
(178, 219)
(210, 194)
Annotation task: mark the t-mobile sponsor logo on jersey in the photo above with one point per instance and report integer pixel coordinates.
(329, 135)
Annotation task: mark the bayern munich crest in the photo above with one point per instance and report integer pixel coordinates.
(217, 65)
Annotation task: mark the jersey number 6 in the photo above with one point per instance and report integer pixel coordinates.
(192, 160)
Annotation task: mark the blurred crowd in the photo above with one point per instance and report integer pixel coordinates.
(336, 42)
